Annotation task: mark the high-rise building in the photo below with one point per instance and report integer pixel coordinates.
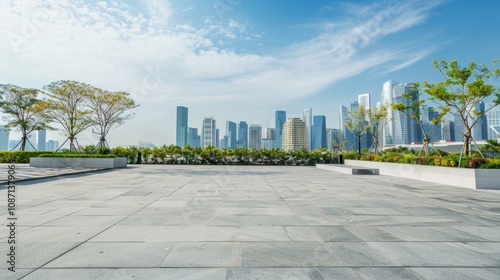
(42, 140)
(294, 134)
(242, 141)
(51, 145)
(217, 138)
(364, 100)
(208, 133)
(493, 121)
(333, 139)
(480, 129)
(307, 118)
(344, 115)
(279, 120)
(269, 138)
(193, 137)
(224, 142)
(319, 132)
(255, 137)
(231, 133)
(4, 138)
(458, 127)
(447, 130)
(182, 126)
(399, 128)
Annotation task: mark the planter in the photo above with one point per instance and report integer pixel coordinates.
(459, 177)
(58, 162)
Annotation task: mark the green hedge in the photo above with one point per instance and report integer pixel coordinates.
(64, 155)
(19, 156)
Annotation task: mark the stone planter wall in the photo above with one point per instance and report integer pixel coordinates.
(56, 162)
(459, 177)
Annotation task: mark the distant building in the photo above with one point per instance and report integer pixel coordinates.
(193, 137)
(319, 132)
(447, 131)
(399, 128)
(458, 127)
(182, 126)
(480, 129)
(242, 141)
(307, 118)
(224, 142)
(334, 138)
(279, 120)
(294, 134)
(4, 138)
(364, 100)
(231, 133)
(52, 145)
(255, 137)
(493, 121)
(217, 138)
(208, 133)
(268, 144)
(146, 144)
(42, 140)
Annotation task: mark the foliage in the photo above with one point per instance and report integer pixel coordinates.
(411, 106)
(108, 110)
(462, 90)
(492, 146)
(18, 156)
(21, 106)
(357, 124)
(376, 117)
(66, 106)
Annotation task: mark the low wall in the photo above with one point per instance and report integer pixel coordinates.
(58, 162)
(459, 177)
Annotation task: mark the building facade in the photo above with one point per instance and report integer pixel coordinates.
(255, 137)
(42, 140)
(294, 135)
(493, 121)
(242, 141)
(279, 121)
(182, 126)
(319, 136)
(231, 133)
(307, 119)
(208, 133)
(193, 137)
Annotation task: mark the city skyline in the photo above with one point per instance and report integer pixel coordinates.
(244, 58)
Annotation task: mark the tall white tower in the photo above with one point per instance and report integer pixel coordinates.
(307, 119)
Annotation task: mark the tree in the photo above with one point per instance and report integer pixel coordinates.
(463, 89)
(66, 106)
(376, 115)
(412, 107)
(357, 124)
(23, 111)
(108, 111)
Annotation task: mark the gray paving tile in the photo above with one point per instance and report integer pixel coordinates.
(289, 254)
(14, 275)
(431, 233)
(452, 273)
(374, 233)
(301, 233)
(335, 234)
(273, 273)
(113, 255)
(125, 234)
(362, 254)
(168, 274)
(433, 254)
(77, 274)
(338, 273)
(375, 273)
(199, 254)
(35, 254)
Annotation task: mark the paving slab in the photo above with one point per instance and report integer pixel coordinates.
(249, 222)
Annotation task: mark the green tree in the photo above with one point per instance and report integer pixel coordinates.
(357, 124)
(67, 106)
(463, 89)
(23, 111)
(108, 111)
(376, 117)
(412, 108)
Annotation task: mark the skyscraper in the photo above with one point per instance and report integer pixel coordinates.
(480, 129)
(4, 138)
(231, 133)
(308, 122)
(294, 134)
(364, 100)
(279, 120)
(182, 126)
(458, 127)
(193, 137)
(255, 136)
(493, 121)
(242, 141)
(399, 127)
(333, 139)
(42, 140)
(208, 133)
(319, 132)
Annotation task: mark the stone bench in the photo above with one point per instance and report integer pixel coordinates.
(349, 169)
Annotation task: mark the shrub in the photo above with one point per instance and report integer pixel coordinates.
(476, 162)
(64, 155)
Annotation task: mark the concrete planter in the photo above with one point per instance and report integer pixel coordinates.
(59, 162)
(459, 177)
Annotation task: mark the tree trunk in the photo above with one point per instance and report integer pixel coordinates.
(72, 146)
(359, 146)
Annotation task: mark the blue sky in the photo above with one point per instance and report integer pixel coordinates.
(237, 59)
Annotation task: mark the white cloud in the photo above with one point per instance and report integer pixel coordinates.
(116, 46)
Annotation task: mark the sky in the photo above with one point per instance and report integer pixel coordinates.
(237, 60)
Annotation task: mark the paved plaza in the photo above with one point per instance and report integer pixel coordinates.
(249, 222)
